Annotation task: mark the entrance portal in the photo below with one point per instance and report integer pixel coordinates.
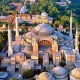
(44, 45)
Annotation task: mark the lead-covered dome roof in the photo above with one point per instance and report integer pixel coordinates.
(59, 71)
(45, 76)
(44, 30)
(76, 73)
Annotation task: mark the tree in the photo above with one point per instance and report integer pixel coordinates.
(3, 39)
(5, 8)
(14, 12)
(34, 8)
(41, 2)
(65, 21)
(1, 46)
(56, 23)
(62, 64)
(28, 74)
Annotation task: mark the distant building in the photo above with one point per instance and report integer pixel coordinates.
(63, 3)
(61, 29)
(8, 19)
(18, 6)
(31, 1)
(68, 1)
(23, 10)
(43, 18)
(24, 17)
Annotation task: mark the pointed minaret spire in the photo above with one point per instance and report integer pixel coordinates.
(71, 35)
(16, 22)
(10, 49)
(76, 38)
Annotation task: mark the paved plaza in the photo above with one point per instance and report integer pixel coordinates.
(12, 75)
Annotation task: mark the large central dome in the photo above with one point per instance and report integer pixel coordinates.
(44, 30)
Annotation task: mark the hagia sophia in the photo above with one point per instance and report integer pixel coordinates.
(41, 47)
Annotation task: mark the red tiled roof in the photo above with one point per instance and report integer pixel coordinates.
(61, 28)
(27, 16)
(8, 19)
(5, 29)
(18, 5)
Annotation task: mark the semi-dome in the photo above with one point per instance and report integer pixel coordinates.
(27, 49)
(76, 73)
(28, 64)
(44, 30)
(29, 35)
(45, 76)
(59, 35)
(59, 71)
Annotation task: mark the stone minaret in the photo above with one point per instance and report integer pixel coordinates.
(16, 22)
(70, 34)
(76, 39)
(10, 48)
(77, 43)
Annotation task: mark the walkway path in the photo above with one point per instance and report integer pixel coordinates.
(12, 75)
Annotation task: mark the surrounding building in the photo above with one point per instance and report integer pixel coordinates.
(61, 28)
(43, 18)
(63, 4)
(18, 6)
(31, 1)
(23, 10)
(8, 19)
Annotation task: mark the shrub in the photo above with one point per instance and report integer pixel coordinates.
(28, 74)
(62, 64)
(32, 79)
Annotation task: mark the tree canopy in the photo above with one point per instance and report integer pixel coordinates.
(28, 74)
(3, 39)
